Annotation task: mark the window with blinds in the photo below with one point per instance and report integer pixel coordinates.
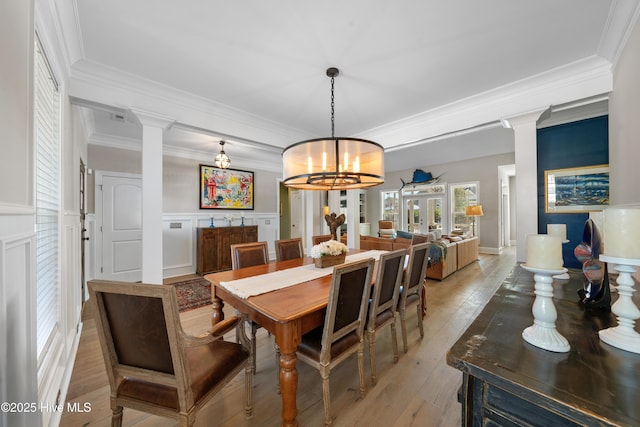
(47, 182)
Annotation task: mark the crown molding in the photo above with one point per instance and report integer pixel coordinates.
(96, 83)
(623, 16)
(268, 161)
(112, 141)
(581, 79)
(152, 119)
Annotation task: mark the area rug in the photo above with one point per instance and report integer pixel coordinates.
(193, 293)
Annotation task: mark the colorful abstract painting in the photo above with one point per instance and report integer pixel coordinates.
(225, 188)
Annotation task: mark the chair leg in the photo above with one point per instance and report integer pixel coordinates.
(116, 417)
(326, 395)
(248, 407)
(254, 329)
(371, 337)
(277, 351)
(186, 420)
(403, 328)
(420, 323)
(394, 341)
(361, 368)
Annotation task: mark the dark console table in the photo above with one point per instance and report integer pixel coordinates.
(508, 382)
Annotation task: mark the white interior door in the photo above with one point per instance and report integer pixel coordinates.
(296, 214)
(121, 227)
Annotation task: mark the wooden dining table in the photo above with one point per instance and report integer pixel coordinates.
(287, 313)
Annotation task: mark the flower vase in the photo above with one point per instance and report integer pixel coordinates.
(329, 260)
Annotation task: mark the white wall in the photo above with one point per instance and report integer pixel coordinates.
(24, 378)
(181, 205)
(483, 169)
(180, 179)
(18, 380)
(624, 126)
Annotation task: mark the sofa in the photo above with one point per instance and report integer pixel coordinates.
(447, 254)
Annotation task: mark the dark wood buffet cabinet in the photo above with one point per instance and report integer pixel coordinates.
(508, 382)
(213, 250)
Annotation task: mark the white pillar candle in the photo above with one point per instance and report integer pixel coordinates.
(544, 252)
(559, 230)
(622, 232)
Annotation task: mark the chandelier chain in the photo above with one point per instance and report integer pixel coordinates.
(333, 122)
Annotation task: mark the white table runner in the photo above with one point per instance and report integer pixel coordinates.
(257, 285)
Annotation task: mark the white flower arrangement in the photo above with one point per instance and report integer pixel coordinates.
(330, 247)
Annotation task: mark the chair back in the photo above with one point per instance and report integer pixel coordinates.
(139, 331)
(416, 269)
(289, 249)
(249, 254)
(347, 306)
(316, 240)
(387, 286)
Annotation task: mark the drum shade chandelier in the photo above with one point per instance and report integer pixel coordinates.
(334, 163)
(222, 161)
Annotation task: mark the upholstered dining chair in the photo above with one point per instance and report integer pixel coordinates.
(383, 303)
(289, 249)
(316, 240)
(152, 364)
(411, 289)
(343, 332)
(248, 255)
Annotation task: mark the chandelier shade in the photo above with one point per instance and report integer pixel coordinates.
(333, 163)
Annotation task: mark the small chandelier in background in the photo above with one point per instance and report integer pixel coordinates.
(334, 163)
(222, 161)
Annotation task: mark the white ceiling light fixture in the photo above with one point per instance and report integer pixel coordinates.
(334, 163)
(222, 161)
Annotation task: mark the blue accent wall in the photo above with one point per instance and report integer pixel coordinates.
(571, 145)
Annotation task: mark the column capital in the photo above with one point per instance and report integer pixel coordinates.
(149, 118)
(525, 118)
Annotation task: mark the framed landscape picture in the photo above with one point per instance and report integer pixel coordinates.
(576, 190)
(225, 188)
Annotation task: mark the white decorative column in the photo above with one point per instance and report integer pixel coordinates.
(353, 219)
(153, 126)
(524, 130)
(313, 215)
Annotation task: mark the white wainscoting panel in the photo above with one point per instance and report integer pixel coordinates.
(178, 250)
(18, 375)
(180, 231)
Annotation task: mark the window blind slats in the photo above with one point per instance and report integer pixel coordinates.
(47, 179)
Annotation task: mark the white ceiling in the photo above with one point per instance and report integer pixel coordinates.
(397, 60)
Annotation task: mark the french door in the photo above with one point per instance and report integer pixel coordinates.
(424, 214)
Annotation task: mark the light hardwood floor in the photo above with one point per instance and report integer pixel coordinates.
(420, 390)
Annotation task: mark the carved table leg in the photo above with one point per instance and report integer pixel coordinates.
(287, 338)
(218, 314)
